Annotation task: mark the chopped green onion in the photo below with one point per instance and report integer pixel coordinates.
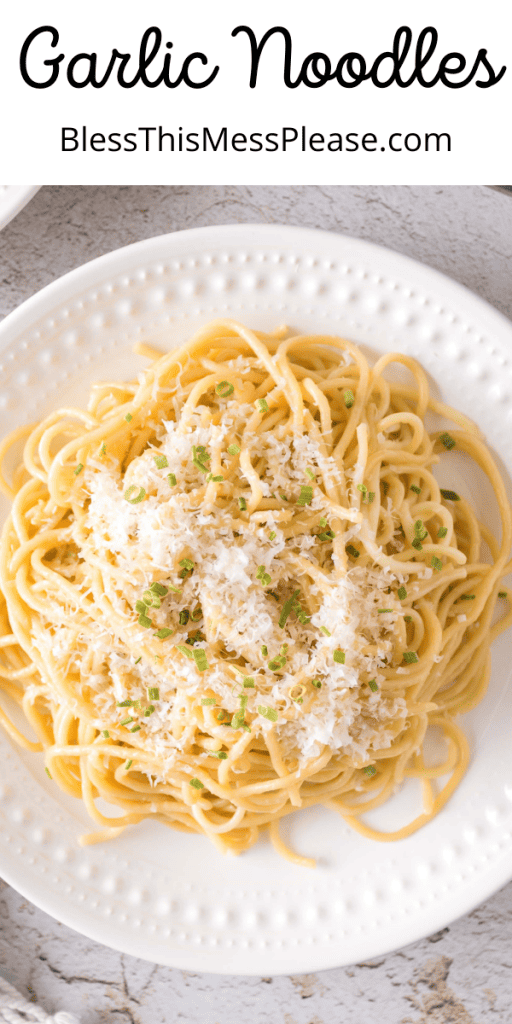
(237, 720)
(159, 588)
(362, 488)
(263, 404)
(269, 713)
(339, 656)
(161, 461)
(242, 504)
(48, 773)
(272, 535)
(221, 754)
(171, 480)
(143, 620)
(138, 659)
(351, 550)
(128, 765)
(78, 469)
(371, 496)
(105, 733)
(184, 617)
(436, 563)
(196, 783)
(450, 495)
(306, 495)
(503, 594)
(263, 576)
(416, 543)
(184, 650)
(131, 491)
(200, 466)
(370, 770)
(264, 649)
(103, 449)
(126, 703)
(208, 701)
(447, 440)
(419, 530)
(149, 710)
(141, 607)
(410, 657)
(310, 473)
(373, 685)
(136, 728)
(328, 535)
(385, 486)
(325, 631)
(283, 496)
(287, 607)
(316, 683)
(233, 449)
(443, 530)
(217, 479)
(199, 656)
(162, 634)
(224, 389)
(323, 522)
(187, 563)
(348, 398)
(384, 611)
(249, 682)
(276, 664)
(416, 489)
(467, 597)
(222, 715)
(128, 417)
(407, 618)
(153, 693)
(126, 721)
(402, 593)
(196, 614)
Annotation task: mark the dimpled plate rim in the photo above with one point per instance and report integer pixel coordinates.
(364, 899)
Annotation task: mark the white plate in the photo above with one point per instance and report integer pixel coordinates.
(12, 199)
(172, 898)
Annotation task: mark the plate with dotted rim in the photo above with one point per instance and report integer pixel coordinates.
(12, 199)
(171, 898)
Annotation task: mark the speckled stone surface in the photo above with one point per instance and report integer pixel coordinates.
(462, 975)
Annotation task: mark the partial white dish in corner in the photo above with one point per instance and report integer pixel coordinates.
(12, 199)
(167, 896)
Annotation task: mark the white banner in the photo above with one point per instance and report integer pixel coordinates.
(267, 93)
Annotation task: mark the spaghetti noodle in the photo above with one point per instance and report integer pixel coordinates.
(235, 588)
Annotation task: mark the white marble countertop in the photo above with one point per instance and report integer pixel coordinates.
(463, 974)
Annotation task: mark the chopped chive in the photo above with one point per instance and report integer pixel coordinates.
(384, 611)
(103, 449)
(153, 693)
(419, 530)
(402, 593)
(264, 650)
(306, 495)
(339, 656)
(48, 773)
(200, 466)
(138, 659)
(436, 563)
(149, 710)
(233, 449)
(266, 712)
(410, 657)
(162, 634)
(325, 631)
(128, 765)
(78, 469)
(328, 535)
(196, 614)
(249, 682)
(370, 770)
(199, 656)
(503, 594)
(161, 461)
(185, 650)
(371, 496)
(159, 588)
(373, 685)
(263, 576)
(362, 488)
(407, 618)
(143, 620)
(196, 783)
(237, 720)
(221, 754)
(263, 404)
(323, 523)
(187, 563)
(385, 486)
(450, 495)
(171, 480)
(242, 504)
(184, 617)
(416, 489)
(128, 417)
(272, 535)
(126, 721)
(222, 715)
(447, 440)
(310, 473)
(217, 479)
(224, 389)
(105, 733)
(349, 398)
(141, 607)
(443, 530)
(351, 550)
(136, 728)
(287, 607)
(416, 543)
(283, 496)
(208, 701)
(316, 683)
(131, 491)
(467, 597)
(125, 704)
